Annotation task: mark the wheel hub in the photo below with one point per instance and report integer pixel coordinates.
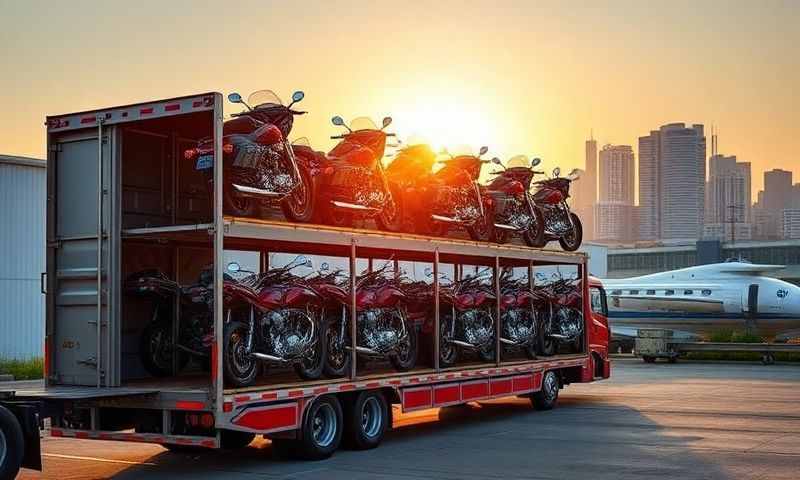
(323, 425)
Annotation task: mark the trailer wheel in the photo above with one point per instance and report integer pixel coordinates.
(366, 421)
(321, 432)
(11, 444)
(547, 397)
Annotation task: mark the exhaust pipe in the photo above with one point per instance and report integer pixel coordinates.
(463, 344)
(353, 206)
(363, 350)
(504, 226)
(558, 336)
(269, 358)
(256, 192)
(507, 341)
(441, 218)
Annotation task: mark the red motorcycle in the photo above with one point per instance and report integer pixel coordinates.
(352, 182)
(467, 319)
(273, 317)
(559, 222)
(411, 174)
(559, 304)
(518, 316)
(510, 204)
(259, 165)
(383, 327)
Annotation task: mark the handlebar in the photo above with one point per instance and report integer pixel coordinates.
(297, 112)
(337, 137)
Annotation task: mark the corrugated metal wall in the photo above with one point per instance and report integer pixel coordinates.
(22, 259)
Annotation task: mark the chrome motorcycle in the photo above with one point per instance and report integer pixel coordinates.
(467, 320)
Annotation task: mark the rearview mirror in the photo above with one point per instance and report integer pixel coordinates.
(536, 161)
(428, 272)
(297, 96)
(234, 98)
(496, 161)
(483, 150)
(325, 267)
(556, 172)
(234, 267)
(337, 120)
(387, 121)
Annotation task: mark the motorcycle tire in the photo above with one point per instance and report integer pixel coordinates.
(299, 205)
(237, 206)
(238, 370)
(547, 344)
(311, 369)
(159, 364)
(534, 235)
(499, 235)
(574, 242)
(487, 354)
(530, 351)
(479, 231)
(392, 222)
(338, 366)
(408, 360)
(448, 352)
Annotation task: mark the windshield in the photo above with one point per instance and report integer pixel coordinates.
(518, 161)
(362, 123)
(302, 142)
(263, 97)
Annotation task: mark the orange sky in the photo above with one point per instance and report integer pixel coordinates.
(518, 76)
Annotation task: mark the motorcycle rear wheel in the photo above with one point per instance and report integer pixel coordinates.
(238, 367)
(448, 352)
(546, 343)
(298, 206)
(156, 349)
(407, 359)
(337, 357)
(311, 368)
(572, 241)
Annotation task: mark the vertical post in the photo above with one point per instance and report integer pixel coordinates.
(436, 321)
(219, 236)
(176, 313)
(99, 345)
(353, 312)
(396, 268)
(497, 329)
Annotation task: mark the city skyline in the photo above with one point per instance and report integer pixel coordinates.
(538, 79)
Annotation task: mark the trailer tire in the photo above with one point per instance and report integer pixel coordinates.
(547, 397)
(234, 439)
(366, 420)
(12, 444)
(321, 430)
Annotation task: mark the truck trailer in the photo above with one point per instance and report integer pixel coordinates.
(122, 198)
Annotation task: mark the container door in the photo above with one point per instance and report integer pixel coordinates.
(78, 346)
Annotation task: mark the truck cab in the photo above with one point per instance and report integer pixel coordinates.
(599, 334)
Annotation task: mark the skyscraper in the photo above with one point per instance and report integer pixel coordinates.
(672, 178)
(615, 206)
(778, 194)
(728, 198)
(584, 190)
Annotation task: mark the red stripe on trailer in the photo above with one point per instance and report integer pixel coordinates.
(270, 396)
(227, 407)
(241, 398)
(446, 394)
(295, 393)
(417, 398)
(500, 387)
(474, 390)
(522, 383)
(373, 385)
(537, 381)
(395, 382)
(146, 111)
(81, 434)
(271, 417)
(208, 443)
(56, 432)
(189, 405)
(86, 120)
(172, 107)
(320, 390)
(197, 104)
(347, 386)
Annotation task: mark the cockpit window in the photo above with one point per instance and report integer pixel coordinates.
(706, 292)
(669, 292)
(688, 292)
(598, 301)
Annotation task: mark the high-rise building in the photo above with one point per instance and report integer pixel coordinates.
(791, 223)
(778, 194)
(614, 212)
(584, 190)
(672, 178)
(728, 211)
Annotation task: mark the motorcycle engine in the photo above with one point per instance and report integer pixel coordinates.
(569, 322)
(516, 213)
(478, 326)
(289, 332)
(556, 218)
(276, 172)
(519, 325)
(379, 329)
(457, 202)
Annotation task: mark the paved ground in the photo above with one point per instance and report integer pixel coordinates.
(686, 421)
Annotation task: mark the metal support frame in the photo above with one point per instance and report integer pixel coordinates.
(497, 329)
(436, 320)
(219, 238)
(176, 313)
(100, 193)
(353, 313)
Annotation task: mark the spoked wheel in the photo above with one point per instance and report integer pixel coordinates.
(366, 421)
(321, 431)
(534, 235)
(406, 357)
(546, 398)
(239, 367)
(237, 205)
(298, 206)
(448, 352)
(337, 356)
(311, 366)
(156, 350)
(571, 241)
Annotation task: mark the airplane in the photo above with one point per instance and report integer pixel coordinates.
(696, 301)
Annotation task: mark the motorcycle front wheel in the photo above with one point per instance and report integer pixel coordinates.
(571, 241)
(337, 356)
(238, 366)
(236, 205)
(391, 217)
(311, 366)
(298, 206)
(156, 350)
(534, 234)
(448, 352)
(546, 343)
(406, 358)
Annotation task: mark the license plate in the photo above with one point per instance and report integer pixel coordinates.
(204, 162)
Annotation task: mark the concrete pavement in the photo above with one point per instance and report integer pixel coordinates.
(687, 421)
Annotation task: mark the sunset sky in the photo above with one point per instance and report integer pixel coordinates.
(518, 76)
